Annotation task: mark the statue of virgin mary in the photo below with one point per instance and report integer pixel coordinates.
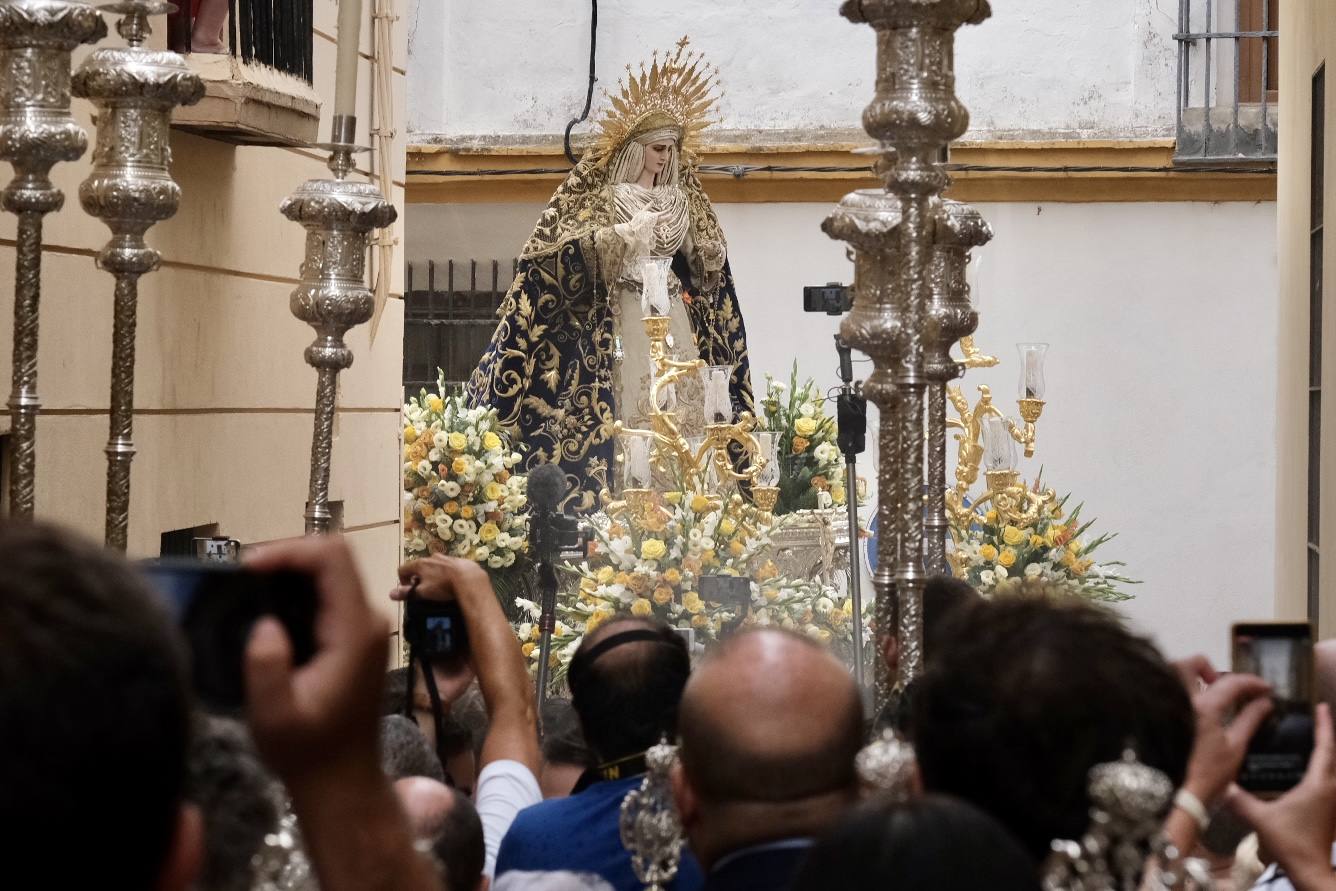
(569, 357)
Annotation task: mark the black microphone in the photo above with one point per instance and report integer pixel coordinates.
(547, 485)
(846, 360)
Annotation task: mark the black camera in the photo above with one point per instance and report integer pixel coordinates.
(435, 630)
(560, 535)
(216, 605)
(729, 590)
(832, 298)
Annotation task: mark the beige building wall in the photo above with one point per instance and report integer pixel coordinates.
(1308, 39)
(223, 396)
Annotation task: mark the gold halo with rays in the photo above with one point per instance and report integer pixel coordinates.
(679, 89)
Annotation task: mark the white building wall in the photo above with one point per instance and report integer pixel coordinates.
(1160, 417)
(1057, 68)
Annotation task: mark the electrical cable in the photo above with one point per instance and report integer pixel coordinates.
(589, 94)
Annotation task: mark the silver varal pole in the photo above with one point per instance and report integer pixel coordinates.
(134, 89)
(914, 115)
(855, 566)
(338, 215)
(36, 131)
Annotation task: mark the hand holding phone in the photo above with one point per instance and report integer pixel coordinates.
(1281, 654)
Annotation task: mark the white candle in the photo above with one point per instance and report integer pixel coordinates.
(654, 286)
(345, 74)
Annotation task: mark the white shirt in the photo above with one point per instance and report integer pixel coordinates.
(1274, 880)
(504, 789)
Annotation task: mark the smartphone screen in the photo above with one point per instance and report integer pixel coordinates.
(1280, 653)
(435, 629)
(215, 605)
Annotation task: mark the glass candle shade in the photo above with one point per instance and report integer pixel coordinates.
(718, 404)
(999, 449)
(974, 280)
(654, 296)
(635, 456)
(1032, 369)
(769, 475)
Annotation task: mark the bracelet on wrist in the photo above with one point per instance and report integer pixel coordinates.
(1190, 804)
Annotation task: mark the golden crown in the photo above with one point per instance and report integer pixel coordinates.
(676, 91)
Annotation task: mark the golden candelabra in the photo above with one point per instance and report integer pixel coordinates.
(987, 441)
(671, 453)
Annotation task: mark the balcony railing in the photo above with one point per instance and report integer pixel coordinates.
(1228, 53)
(276, 33)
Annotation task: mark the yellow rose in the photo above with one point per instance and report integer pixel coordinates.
(727, 526)
(604, 575)
(1012, 536)
(641, 607)
(488, 532)
(458, 441)
(527, 650)
(1007, 558)
(466, 512)
(435, 404)
(494, 491)
(652, 549)
(598, 617)
(410, 434)
(800, 445)
(805, 426)
(622, 579)
(1036, 541)
(491, 441)
(673, 576)
(639, 583)
(988, 552)
(700, 504)
(700, 622)
(692, 603)
(460, 465)
(663, 595)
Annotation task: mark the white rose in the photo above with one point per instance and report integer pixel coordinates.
(441, 439)
(495, 562)
(1033, 570)
(808, 410)
(987, 578)
(481, 553)
(509, 559)
(451, 488)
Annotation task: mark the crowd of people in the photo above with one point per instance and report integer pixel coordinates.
(337, 775)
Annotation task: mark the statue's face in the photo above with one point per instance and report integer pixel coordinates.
(656, 157)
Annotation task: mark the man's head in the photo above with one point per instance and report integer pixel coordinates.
(237, 797)
(565, 755)
(1026, 693)
(448, 820)
(942, 594)
(769, 728)
(626, 682)
(94, 716)
(405, 752)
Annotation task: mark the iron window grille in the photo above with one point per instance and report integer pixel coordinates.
(449, 317)
(1228, 53)
(276, 33)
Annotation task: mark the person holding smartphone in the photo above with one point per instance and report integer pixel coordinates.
(509, 763)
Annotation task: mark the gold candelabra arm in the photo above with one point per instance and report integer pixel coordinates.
(973, 357)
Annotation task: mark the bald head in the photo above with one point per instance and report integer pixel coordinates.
(770, 717)
(448, 820)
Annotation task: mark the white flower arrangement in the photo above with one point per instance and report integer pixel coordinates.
(461, 496)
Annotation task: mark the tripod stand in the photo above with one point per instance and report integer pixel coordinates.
(852, 439)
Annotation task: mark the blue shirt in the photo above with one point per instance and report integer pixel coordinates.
(581, 834)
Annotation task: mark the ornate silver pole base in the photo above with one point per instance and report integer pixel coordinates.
(915, 114)
(36, 132)
(134, 89)
(338, 215)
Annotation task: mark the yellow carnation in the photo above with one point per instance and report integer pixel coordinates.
(491, 441)
(641, 607)
(735, 548)
(460, 465)
(1007, 558)
(805, 426)
(988, 552)
(700, 504)
(692, 603)
(435, 404)
(652, 549)
(727, 526)
(410, 433)
(1012, 536)
(488, 532)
